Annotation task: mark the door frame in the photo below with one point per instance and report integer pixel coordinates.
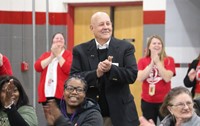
(70, 16)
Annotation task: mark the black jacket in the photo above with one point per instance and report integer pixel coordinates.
(187, 81)
(87, 115)
(121, 105)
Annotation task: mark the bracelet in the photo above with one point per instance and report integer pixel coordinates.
(59, 57)
(9, 106)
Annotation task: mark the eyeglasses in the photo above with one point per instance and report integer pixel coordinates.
(71, 89)
(182, 105)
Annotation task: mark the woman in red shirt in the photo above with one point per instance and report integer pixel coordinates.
(54, 67)
(155, 71)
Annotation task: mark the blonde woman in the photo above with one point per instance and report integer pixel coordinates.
(155, 71)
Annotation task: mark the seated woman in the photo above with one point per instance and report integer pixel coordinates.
(14, 104)
(76, 109)
(177, 109)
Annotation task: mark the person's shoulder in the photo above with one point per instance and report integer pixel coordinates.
(91, 104)
(195, 61)
(5, 57)
(68, 52)
(120, 41)
(46, 53)
(26, 107)
(169, 57)
(84, 44)
(145, 58)
(167, 121)
(195, 121)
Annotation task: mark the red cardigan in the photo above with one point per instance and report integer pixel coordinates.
(6, 68)
(62, 74)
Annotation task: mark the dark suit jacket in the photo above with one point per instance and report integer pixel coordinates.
(120, 101)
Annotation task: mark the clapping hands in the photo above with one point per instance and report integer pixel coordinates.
(9, 90)
(56, 49)
(51, 112)
(104, 66)
(192, 74)
(155, 57)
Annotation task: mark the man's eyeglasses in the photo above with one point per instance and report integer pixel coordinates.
(70, 89)
(182, 105)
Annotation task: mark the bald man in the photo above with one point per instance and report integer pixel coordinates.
(109, 66)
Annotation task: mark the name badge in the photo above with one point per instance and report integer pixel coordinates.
(116, 64)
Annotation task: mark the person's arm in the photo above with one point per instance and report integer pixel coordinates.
(166, 69)
(5, 66)
(38, 65)
(80, 67)
(15, 119)
(54, 116)
(93, 118)
(145, 122)
(47, 61)
(104, 66)
(56, 52)
(164, 73)
(143, 74)
(126, 73)
(24, 116)
(66, 62)
(187, 82)
(62, 121)
(28, 113)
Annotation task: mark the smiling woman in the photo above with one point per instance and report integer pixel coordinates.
(54, 67)
(178, 106)
(155, 71)
(14, 104)
(76, 109)
(177, 109)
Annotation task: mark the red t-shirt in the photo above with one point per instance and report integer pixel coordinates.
(161, 87)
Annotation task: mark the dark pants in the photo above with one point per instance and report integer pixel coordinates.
(151, 110)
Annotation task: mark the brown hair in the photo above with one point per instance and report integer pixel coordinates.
(63, 37)
(148, 51)
(174, 92)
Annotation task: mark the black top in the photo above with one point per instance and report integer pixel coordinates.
(187, 81)
(87, 115)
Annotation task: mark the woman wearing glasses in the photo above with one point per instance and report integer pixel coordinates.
(76, 109)
(177, 109)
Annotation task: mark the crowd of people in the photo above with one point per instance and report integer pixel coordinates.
(90, 86)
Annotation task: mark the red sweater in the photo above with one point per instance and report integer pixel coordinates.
(6, 68)
(62, 74)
